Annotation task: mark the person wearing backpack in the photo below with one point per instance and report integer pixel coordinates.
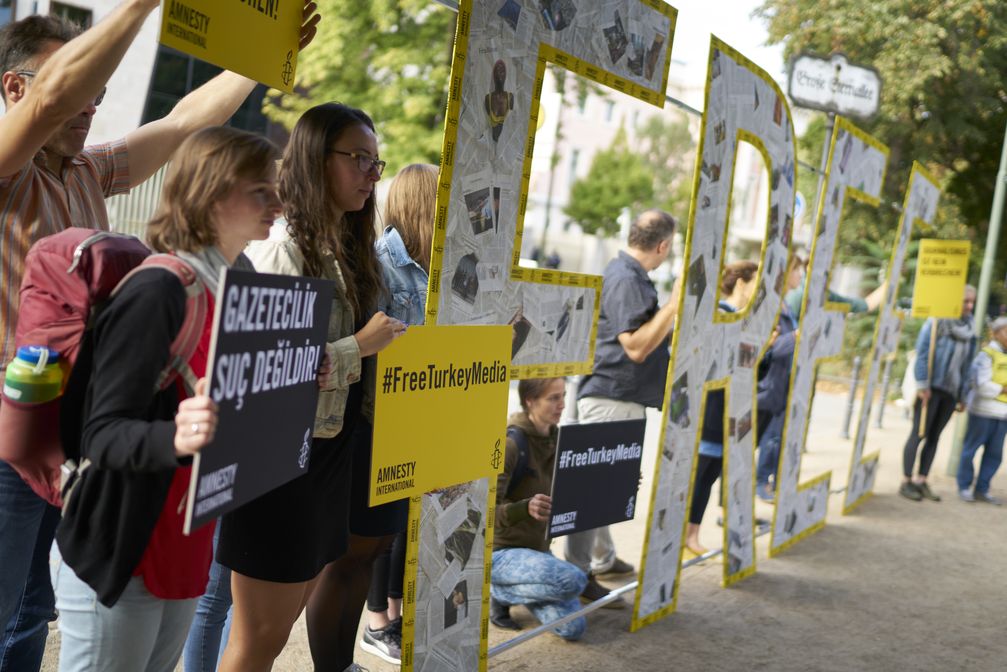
(524, 570)
(773, 388)
(987, 425)
(737, 286)
(940, 388)
(126, 577)
(53, 79)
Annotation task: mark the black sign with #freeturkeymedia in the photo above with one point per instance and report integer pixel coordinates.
(596, 476)
(268, 343)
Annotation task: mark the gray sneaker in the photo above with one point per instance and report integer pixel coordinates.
(911, 491)
(385, 643)
(987, 498)
(594, 591)
(966, 496)
(927, 493)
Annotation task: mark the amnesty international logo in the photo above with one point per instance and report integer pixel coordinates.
(497, 455)
(305, 452)
(287, 74)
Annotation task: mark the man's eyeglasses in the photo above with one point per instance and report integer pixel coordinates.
(32, 73)
(365, 162)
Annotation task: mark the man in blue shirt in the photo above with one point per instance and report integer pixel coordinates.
(630, 366)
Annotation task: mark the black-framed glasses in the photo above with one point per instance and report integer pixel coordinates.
(365, 162)
(32, 73)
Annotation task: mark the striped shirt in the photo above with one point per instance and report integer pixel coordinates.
(34, 203)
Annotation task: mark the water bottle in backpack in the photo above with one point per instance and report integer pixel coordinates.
(34, 376)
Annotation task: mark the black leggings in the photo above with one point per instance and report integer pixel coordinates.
(707, 472)
(387, 575)
(334, 607)
(939, 411)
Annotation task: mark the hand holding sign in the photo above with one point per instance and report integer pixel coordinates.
(195, 422)
(309, 26)
(540, 507)
(378, 334)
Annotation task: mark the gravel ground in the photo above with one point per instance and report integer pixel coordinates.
(898, 585)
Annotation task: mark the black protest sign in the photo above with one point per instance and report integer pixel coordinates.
(268, 342)
(596, 476)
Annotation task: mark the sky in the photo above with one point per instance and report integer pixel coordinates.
(729, 20)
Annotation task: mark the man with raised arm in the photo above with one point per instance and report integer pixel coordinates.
(53, 78)
(630, 366)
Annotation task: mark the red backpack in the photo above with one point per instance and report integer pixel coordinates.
(68, 277)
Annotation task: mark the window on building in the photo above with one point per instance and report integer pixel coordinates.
(609, 111)
(7, 11)
(574, 158)
(176, 74)
(79, 15)
(581, 105)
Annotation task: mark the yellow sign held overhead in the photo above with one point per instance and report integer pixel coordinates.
(438, 417)
(941, 270)
(255, 38)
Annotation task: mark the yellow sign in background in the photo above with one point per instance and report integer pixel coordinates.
(255, 38)
(941, 270)
(438, 412)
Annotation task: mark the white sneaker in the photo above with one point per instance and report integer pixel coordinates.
(987, 498)
(385, 643)
(966, 496)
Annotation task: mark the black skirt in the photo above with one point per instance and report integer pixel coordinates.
(289, 534)
(367, 521)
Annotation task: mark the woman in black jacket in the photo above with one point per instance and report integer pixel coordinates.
(737, 284)
(127, 582)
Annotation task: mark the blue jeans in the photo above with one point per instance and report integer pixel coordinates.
(212, 625)
(987, 432)
(141, 633)
(769, 451)
(27, 527)
(547, 586)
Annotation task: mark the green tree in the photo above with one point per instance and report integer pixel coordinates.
(943, 102)
(391, 58)
(668, 147)
(617, 179)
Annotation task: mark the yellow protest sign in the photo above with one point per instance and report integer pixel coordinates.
(255, 38)
(941, 270)
(438, 412)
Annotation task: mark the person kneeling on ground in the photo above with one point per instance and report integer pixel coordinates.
(987, 419)
(524, 570)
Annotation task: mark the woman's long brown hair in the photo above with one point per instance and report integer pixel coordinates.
(308, 206)
(202, 172)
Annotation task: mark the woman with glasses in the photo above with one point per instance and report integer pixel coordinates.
(284, 545)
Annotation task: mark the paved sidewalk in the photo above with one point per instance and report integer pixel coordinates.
(898, 585)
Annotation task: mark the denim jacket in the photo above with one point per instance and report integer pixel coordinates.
(405, 295)
(943, 376)
(281, 255)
